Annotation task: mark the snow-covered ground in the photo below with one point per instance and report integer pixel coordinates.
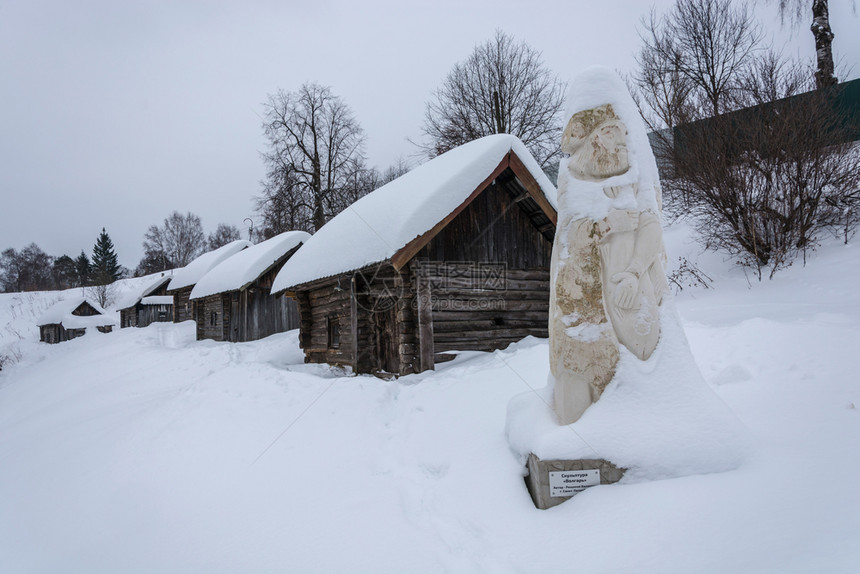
(146, 451)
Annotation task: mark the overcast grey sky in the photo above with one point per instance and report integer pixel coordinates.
(114, 113)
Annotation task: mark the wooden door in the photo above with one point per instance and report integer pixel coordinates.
(387, 340)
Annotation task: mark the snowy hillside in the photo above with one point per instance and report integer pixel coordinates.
(146, 451)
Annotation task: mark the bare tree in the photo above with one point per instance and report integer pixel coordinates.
(760, 160)
(315, 153)
(104, 295)
(502, 87)
(661, 91)
(690, 67)
(398, 168)
(179, 240)
(282, 205)
(152, 262)
(767, 181)
(223, 235)
(26, 270)
(695, 54)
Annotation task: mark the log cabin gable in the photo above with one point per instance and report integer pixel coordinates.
(510, 175)
(85, 310)
(499, 226)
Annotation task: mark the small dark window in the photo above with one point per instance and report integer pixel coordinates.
(213, 318)
(333, 328)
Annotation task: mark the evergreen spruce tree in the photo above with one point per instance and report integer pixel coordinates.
(82, 266)
(65, 272)
(105, 267)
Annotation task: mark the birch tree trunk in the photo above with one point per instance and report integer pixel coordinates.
(824, 76)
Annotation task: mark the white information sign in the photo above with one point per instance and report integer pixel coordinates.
(570, 482)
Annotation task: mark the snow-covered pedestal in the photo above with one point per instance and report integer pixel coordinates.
(551, 482)
(657, 419)
(624, 389)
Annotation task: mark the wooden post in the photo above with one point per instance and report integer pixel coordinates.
(306, 324)
(425, 319)
(353, 324)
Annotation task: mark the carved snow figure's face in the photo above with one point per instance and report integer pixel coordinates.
(597, 143)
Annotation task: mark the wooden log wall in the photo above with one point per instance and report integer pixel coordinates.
(261, 314)
(69, 334)
(387, 338)
(407, 320)
(424, 317)
(365, 323)
(55, 333)
(464, 306)
(488, 287)
(213, 317)
(303, 302)
(487, 273)
(472, 310)
(183, 308)
(327, 301)
(256, 313)
(49, 333)
(128, 317)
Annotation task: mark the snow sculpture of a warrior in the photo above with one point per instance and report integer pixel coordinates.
(608, 279)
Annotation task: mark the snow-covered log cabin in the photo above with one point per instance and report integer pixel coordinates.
(454, 255)
(234, 300)
(70, 318)
(152, 305)
(184, 279)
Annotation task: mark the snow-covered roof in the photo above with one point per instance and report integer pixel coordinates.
(243, 268)
(155, 286)
(379, 224)
(194, 271)
(157, 300)
(131, 301)
(61, 314)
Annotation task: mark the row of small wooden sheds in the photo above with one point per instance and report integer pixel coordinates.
(454, 255)
(227, 292)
